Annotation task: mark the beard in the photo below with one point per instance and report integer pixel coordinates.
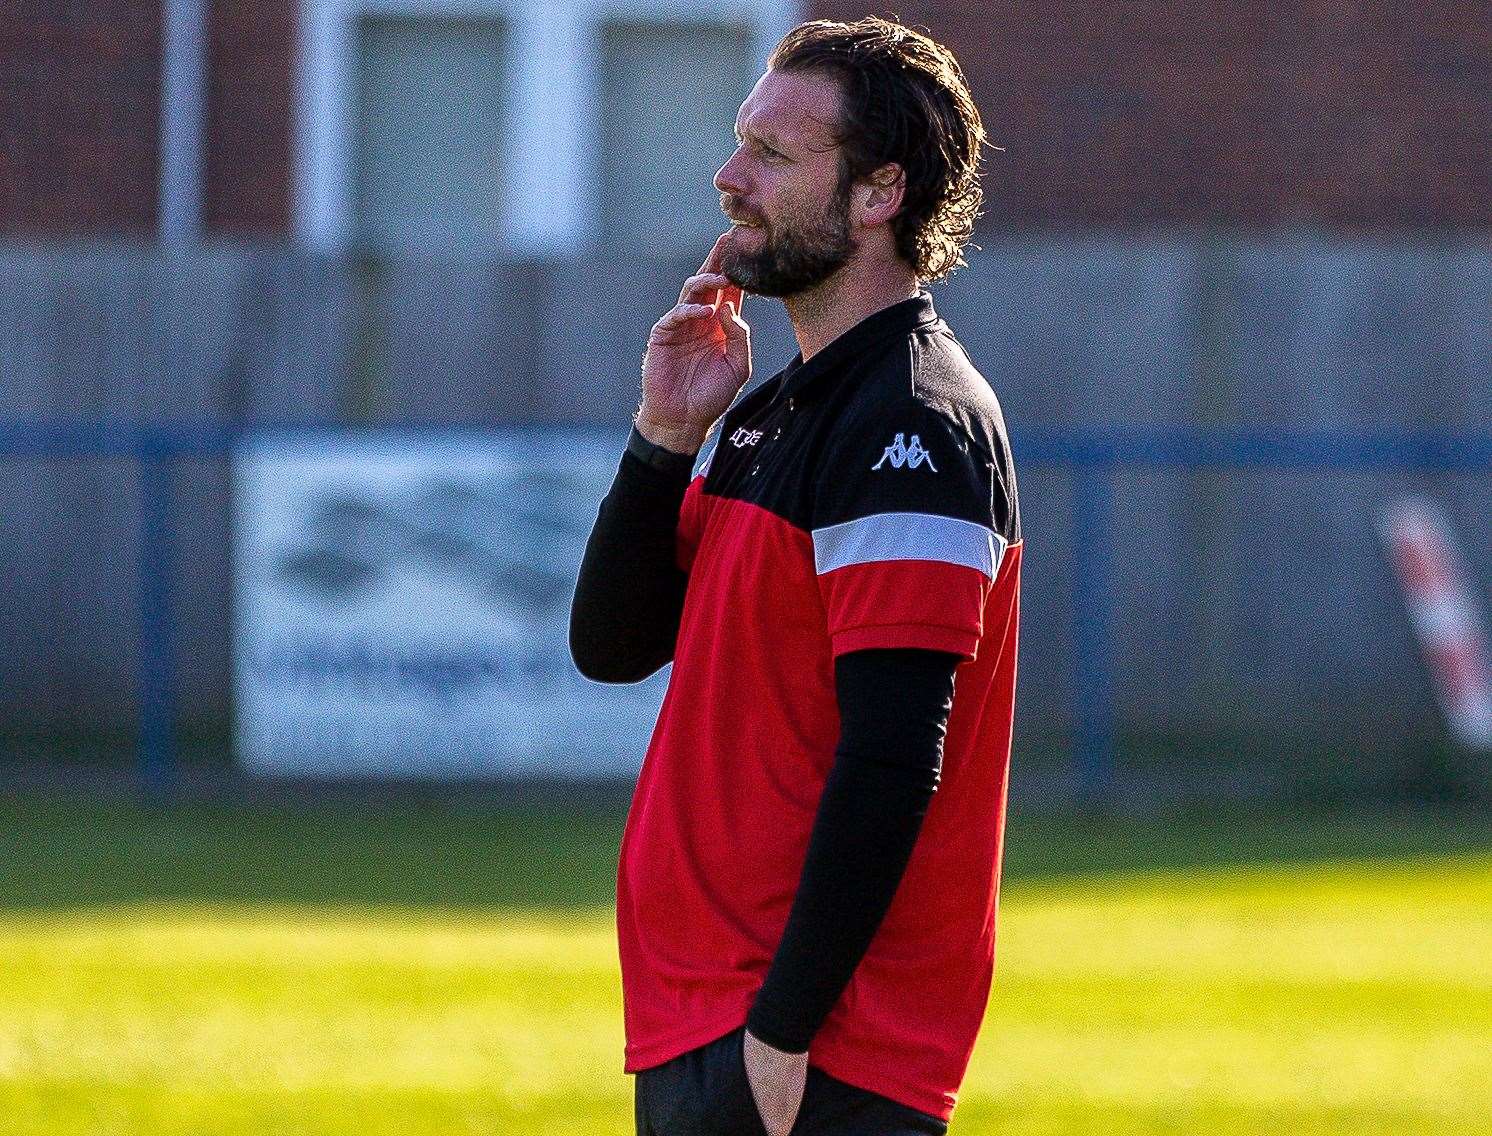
(796, 254)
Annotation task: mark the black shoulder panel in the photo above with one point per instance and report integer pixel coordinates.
(913, 427)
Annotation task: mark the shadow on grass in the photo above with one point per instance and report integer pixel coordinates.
(59, 853)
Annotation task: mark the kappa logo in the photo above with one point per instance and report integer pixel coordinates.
(899, 453)
(745, 437)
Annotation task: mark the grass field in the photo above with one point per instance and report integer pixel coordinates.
(439, 971)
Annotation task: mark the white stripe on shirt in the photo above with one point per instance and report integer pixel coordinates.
(908, 536)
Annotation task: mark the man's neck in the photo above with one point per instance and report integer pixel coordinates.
(821, 315)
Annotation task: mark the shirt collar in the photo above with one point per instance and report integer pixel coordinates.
(898, 319)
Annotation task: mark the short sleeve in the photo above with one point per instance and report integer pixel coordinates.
(905, 538)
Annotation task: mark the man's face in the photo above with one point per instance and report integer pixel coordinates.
(782, 188)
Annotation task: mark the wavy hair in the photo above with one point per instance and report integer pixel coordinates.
(905, 100)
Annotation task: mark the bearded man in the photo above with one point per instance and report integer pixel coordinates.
(808, 879)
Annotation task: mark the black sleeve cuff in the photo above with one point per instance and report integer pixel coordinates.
(656, 457)
(762, 1026)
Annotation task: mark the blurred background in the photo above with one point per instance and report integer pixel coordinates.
(320, 326)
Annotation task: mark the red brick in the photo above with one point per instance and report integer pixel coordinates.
(79, 117)
(247, 178)
(1354, 115)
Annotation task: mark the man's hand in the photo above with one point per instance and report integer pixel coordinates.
(697, 361)
(776, 1079)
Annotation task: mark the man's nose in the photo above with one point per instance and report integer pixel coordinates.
(728, 178)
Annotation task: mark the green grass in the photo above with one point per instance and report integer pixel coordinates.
(439, 971)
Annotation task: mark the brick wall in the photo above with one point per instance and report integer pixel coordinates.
(246, 148)
(79, 116)
(1348, 115)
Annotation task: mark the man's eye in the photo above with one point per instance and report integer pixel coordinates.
(762, 148)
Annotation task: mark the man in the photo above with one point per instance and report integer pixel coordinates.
(806, 895)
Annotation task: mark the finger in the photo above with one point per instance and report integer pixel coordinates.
(732, 295)
(688, 311)
(712, 261)
(697, 287)
(737, 340)
(731, 322)
(683, 314)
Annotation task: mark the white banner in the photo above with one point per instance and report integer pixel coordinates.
(402, 601)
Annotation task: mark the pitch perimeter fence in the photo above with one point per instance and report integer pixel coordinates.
(1092, 458)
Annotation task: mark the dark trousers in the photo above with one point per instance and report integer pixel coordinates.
(705, 1093)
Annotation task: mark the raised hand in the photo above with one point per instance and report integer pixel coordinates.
(698, 359)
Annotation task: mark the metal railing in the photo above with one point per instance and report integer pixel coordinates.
(1093, 457)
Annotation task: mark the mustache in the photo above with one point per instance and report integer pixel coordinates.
(730, 205)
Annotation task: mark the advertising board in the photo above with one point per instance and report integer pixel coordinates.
(401, 607)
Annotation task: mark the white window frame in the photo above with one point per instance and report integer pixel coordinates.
(551, 186)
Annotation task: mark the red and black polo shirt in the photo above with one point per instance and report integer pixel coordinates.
(863, 499)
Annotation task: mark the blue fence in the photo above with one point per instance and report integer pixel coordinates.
(1093, 457)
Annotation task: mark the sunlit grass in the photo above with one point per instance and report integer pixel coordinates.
(404, 976)
(1282, 1000)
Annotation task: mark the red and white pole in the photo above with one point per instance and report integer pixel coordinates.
(1445, 614)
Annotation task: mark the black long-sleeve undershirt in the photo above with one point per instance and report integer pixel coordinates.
(624, 620)
(893, 709)
(893, 706)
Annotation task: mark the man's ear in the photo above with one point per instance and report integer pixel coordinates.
(880, 195)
